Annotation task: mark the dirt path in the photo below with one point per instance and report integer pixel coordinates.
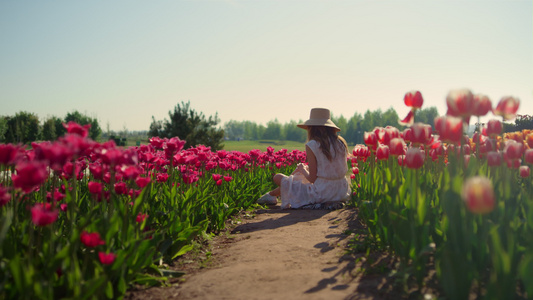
(278, 254)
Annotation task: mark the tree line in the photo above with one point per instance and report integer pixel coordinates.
(25, 127)
(352, 128)
(195, 128)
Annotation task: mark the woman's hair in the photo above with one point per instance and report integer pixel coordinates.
(326, 137)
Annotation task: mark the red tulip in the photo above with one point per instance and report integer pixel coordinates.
(56, 154)
(449, 128)
(94, 187)
(481, 105)
(513, 150)
(29, 175)
(513, 163)
(524, 171)
(361, 152)
(413, 99)
(494, 128)
(507, 108)
(106, 258)
(355, 170)
(8, 154)
(420, 134)
(42, 214)
(383, 152)
(401, 160)
(162, 177)
(91, 240)
(459, 103)
(494, 158)
(371, 140)
(121, 188)
(408, 120)
(397, 147)
(142, 181)
(414, 158)
(387, 134)
(75, 128)
(528, 156)
(141, 217)
(478, 195)
(228, 178)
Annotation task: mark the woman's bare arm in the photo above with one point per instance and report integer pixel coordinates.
(311, 164)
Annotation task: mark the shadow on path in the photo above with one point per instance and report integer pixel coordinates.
(290, 217)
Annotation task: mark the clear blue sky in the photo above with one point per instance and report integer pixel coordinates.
(126, 61)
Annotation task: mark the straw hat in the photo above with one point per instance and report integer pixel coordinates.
(319, 117)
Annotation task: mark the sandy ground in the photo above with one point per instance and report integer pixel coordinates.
(277, 254)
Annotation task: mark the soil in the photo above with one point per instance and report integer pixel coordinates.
(282, 254)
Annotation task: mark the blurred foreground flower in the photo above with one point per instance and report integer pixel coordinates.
(524, 171)
(42, 214)
(414, 158)
(91, 240)
(106, 258)
(478, 195)
(507, 108)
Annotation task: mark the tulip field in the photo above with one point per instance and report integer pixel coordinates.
(86, 220)
(442, 201)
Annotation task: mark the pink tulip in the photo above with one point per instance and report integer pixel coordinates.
(478, 195)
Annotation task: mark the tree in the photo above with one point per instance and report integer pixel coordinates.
(427, 116)
(293, 133)
(188, 125)
(3, 128)
(234, 130)
(94, 131)
(156, 128)
(49, 129)
(23, 128)
(273, 131)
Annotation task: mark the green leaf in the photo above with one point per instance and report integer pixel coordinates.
(109, 290)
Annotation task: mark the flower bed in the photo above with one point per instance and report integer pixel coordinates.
(461, 205)
(81, 219)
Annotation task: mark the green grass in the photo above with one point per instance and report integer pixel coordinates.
(245, 146)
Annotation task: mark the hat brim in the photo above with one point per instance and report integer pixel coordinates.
(318, 122)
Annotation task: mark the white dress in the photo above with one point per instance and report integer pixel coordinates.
(331, 185)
